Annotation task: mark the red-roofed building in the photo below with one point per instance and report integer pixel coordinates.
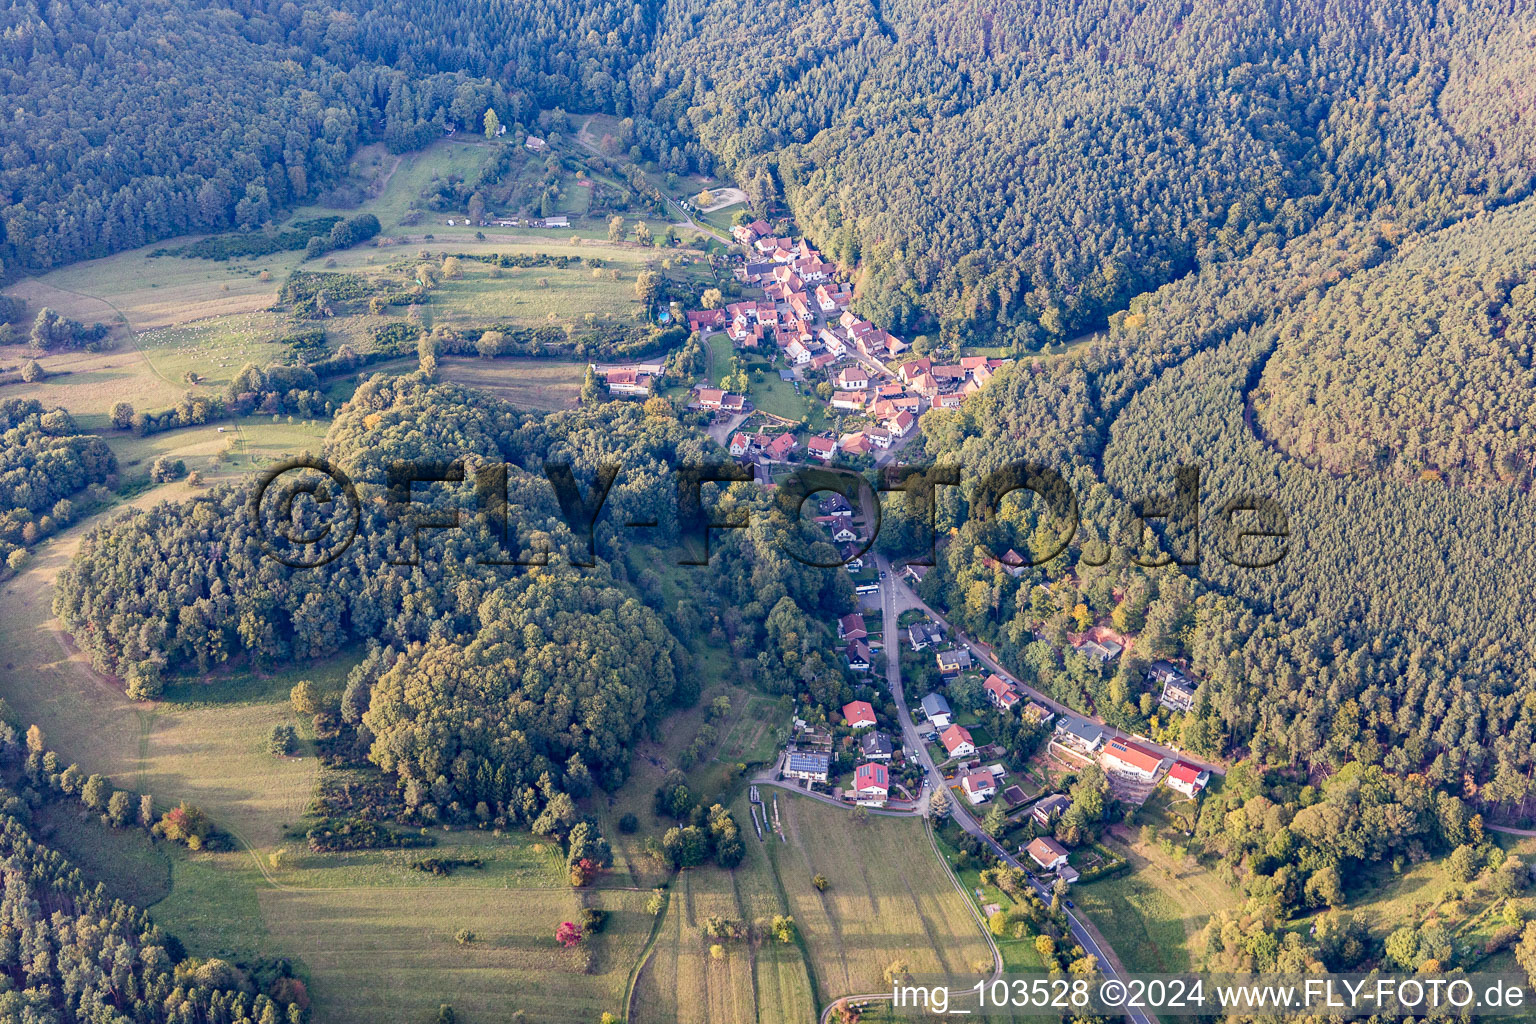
(871, 784)
(1000, 692)
(1048, 853)
(706, 319)
(822, 448)
(1125, 756)
(780, 447)
(849, 401)
(741, 444)
(901, 424)
(957, 741)
(852, 378)
(1187, 779)
(910, 371)
(859, 714)
(978, 786)
(851, 627)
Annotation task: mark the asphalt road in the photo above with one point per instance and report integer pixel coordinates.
(933, 779)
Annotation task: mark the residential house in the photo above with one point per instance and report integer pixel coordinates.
(953, 400)
(978, 786)
(779, 448)
(901, 424)
(854, 444)
(1047, 853)
(1037, 712)
(706, 319)
(957, 741)
(1079, 734)
(741, 444)
(858, 656)
(954, 661)
(711, 399)
(851, 627)
(824, 300)
(809, 765)
(879, 437)
(936, 710)
(832, 343)
(921, 634)
(1000, 692)
(835, 505)
(823, 448)
(849, 401)
(851, 378)
(852, 557)
(797, 353)
(1124, 756)
(913, 369)
(1187, 779)
(925, 385)
(1178, 692)
(859, 714)
(876, 746)
(871, 784)
(1101, 650)
(1047, 810)
(535, 144)
(914, 573)
(628, 382)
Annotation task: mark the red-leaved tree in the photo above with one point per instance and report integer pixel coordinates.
(568, 934)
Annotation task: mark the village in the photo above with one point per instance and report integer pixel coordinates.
(800, 321)
(877, 755)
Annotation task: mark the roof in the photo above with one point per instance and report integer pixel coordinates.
(710, 395)
(960, 657)
(1053, 803)
(821, 444)
(859, 711)
(1137, 757)
(850, 622)
(935, 704)
(872, 775)
(1081, 728)
(806, 761)
(975, 782)
(1000, 687)
(954, 736)
(1044, 850)
(877, 743)
(741, 441)
(1188, 774)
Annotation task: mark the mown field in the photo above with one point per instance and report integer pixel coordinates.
(888, 899)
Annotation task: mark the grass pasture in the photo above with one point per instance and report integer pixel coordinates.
(396, 959)
(526, 383)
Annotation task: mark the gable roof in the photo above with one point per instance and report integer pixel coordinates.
(1000, 688)
(935, 704)
(859, 711)
(1129, 753)
(1043, 851)
(872, 776)
(877, 743)
(1188, 774)
(954, 736)
(978, 781)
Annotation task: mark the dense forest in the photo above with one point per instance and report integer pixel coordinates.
(1007, 176)
(1420, 366)
(46, 466)
(510, 686)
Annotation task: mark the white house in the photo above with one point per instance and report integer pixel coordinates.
(979, 786)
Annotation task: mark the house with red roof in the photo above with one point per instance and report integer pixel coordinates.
(978, 785)
(859, 714)
(901, 424)
(957, 741)
(1000, 692)
(851, 627)
(849, 401)
(823, 448)
(1048, 853)
(741, 444)
(706, 319)
(914, 369)
(854, 444)
(1124, 756)
(1187, 779)
(779, 448)
(871, 784)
